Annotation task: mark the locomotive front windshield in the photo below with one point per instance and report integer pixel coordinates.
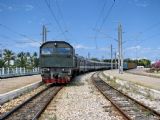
(56, 54)
(49, 51)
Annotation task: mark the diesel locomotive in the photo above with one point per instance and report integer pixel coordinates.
(59, 63)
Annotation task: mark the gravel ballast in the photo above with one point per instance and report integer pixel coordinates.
(148, 96)
(80, 100)
(6, 107)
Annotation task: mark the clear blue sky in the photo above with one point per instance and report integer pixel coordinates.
(140, 20)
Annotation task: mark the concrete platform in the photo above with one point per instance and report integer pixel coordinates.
(17, 75)
(143, 72)
(15, 93)
(150, 82)
(10, 84)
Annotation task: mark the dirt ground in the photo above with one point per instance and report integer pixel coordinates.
(10, 84)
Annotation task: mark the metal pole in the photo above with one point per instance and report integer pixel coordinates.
(120, 57)
(43, 33)
(111, 58)
(119, 48)
(88, 55)
(115, 60)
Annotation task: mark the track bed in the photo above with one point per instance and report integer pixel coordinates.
(128, 107)
(34, 106)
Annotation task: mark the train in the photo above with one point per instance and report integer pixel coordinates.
(59, 63)
(129, 65)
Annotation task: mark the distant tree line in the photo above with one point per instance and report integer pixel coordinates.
(22, 59)
(140, 62)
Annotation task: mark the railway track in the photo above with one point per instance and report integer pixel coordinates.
(130, 108)
(34, 106)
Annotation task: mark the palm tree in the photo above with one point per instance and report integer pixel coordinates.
(32, 60)
(8, 56)
(35, 54)
(2, 63)
(22, 59)
(35, 60)
(28, 54)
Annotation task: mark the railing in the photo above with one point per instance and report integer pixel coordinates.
(9, 72)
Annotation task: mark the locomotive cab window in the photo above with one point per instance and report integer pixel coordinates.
(49, 51)
(46, 51)
(63, 50)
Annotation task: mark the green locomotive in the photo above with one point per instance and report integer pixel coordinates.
(59, 63)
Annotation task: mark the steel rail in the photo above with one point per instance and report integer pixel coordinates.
(150, 109)
(4, 116)
(45, 106)
(8, 114)
(124, 114)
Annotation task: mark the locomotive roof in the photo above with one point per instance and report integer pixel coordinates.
(51, 42)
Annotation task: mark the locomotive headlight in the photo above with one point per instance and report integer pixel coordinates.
(46, 69)
(55, 44)
(65, 70)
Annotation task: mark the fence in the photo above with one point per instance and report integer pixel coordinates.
(9, 72)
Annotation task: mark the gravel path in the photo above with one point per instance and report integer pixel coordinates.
(80, 100)
(150, 82)
(10, 84)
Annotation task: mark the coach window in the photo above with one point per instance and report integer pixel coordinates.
(46, 51)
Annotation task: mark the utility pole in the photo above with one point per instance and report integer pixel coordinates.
(119, 49)
(44, 34)
(120, 57)
(1, 51)
(115, 60)
(88, 55)
(111, 58)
